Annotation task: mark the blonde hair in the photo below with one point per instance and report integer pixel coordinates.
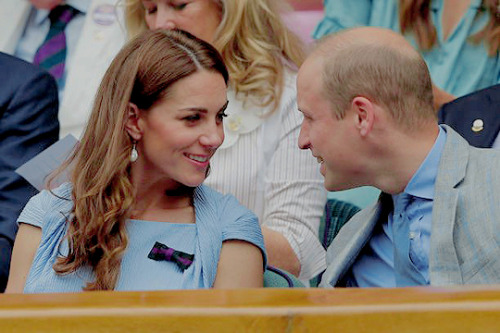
(102, 193)
(414, 17)
(254, 42)
(392, 77)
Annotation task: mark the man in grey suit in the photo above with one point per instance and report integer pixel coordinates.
(366, 96)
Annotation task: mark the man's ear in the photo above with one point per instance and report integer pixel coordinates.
(364, 114)
(132, 124)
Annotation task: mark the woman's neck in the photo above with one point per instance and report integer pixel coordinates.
(453, 11)
(163, 201)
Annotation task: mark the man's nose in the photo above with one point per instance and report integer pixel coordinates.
(303, 138)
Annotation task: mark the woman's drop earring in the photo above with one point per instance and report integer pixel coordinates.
(134, 155)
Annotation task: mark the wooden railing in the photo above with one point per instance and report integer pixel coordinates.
(458, 309)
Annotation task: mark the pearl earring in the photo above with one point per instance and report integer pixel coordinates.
(134, 155)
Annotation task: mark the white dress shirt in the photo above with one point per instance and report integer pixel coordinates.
(38, 26)
(101, 35)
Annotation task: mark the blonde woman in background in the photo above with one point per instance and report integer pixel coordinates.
(259, 161)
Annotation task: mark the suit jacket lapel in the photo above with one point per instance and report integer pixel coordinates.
(444, 267)
(351, 239)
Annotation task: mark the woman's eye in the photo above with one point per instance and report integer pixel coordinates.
(150, 10)
(192, 118)
(179, 6)
(221, 116)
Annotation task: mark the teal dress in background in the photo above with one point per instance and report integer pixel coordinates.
(218, 218)
(457, 65)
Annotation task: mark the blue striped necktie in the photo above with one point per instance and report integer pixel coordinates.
(405, 271)
(51, 55)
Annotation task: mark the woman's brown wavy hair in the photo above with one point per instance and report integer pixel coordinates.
(414, 16)
(103, 194)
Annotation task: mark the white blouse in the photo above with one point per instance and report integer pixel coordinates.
(261, 164)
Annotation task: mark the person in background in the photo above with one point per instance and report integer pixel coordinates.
(135, 215)
(304, 17)
(366, 95)
(458, 39)
(75, 40)
(258, 162)
(28, 125)
(306, 4)
(476, 117)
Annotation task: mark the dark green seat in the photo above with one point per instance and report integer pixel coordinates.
(336, 214)
(278, 278)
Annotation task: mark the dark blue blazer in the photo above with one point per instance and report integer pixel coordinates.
(461, 113)
(28, 125)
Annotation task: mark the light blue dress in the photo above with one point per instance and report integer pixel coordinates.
(218, 218)
(456, 65)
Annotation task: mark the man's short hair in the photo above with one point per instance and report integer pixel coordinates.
(397, 79)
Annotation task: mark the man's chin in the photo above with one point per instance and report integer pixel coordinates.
(335, 187)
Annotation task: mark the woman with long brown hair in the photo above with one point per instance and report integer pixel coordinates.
(459, 39)
(135, 215)
(259, 162)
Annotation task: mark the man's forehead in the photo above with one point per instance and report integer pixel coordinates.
(310, 73)
(312, 63)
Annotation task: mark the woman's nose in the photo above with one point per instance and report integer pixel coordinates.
(213, 138)
(164, 19)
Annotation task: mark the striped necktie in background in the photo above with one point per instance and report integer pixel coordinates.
(51, 55)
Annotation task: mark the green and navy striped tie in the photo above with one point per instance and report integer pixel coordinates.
(51, 55)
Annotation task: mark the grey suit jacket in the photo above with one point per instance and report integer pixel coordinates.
(465, 234)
